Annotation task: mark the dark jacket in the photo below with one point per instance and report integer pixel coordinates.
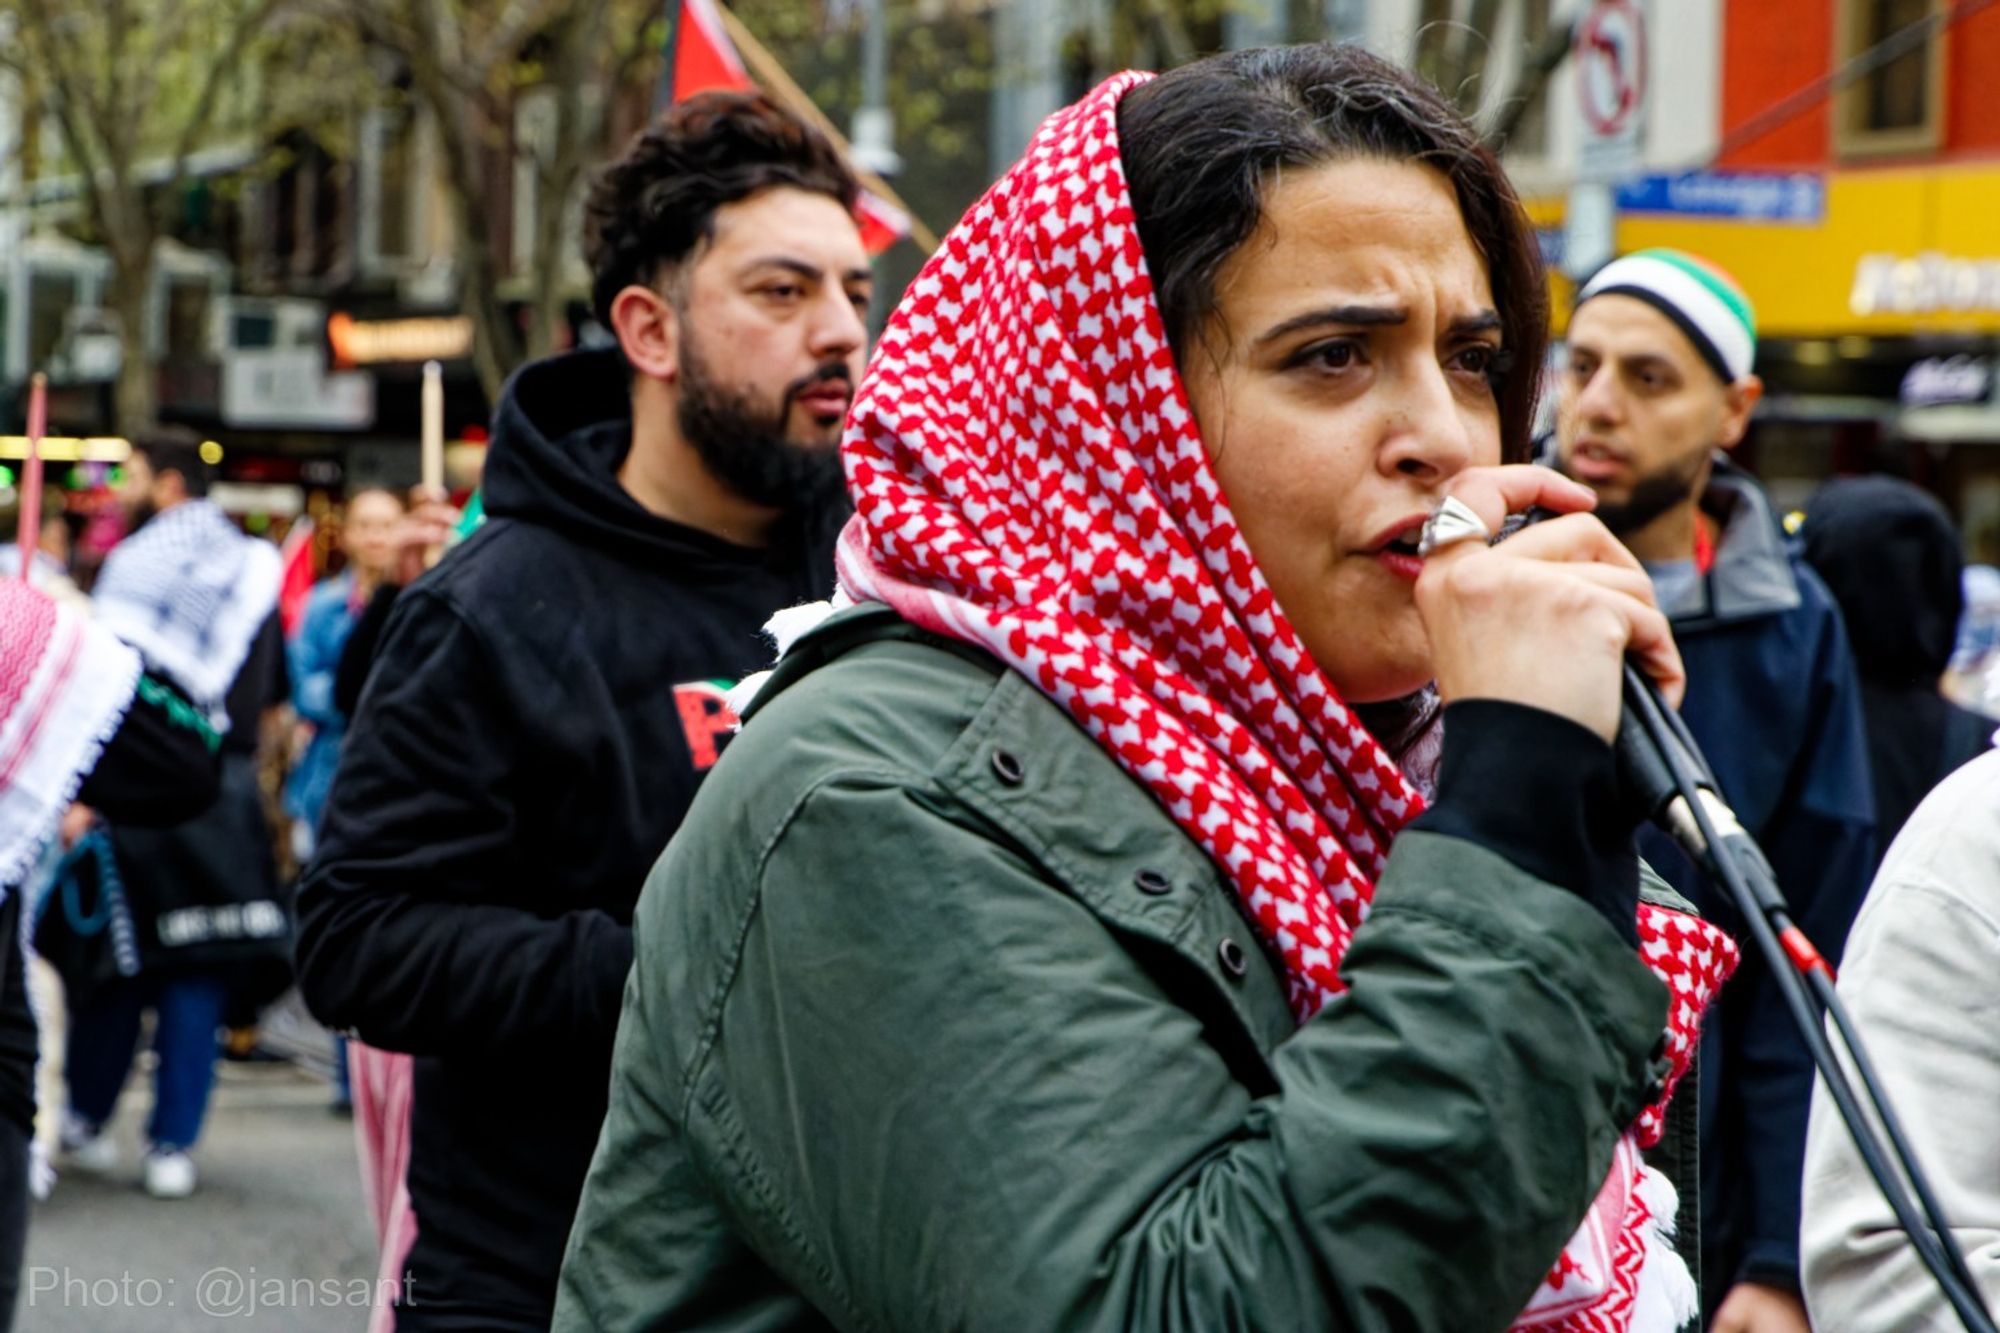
(204, 894)
(1889, 554)
(1773, 701)
(542, 708)
(940, 1022)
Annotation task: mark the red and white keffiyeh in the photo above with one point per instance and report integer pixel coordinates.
(64, 685)
(1028, 477)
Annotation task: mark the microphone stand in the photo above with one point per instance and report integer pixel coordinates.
(1663, 763)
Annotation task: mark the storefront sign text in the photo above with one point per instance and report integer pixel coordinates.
(358, 342)
(1928, 284)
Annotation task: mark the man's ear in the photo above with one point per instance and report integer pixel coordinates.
(1739, 400)
(649, 332)
(169, 488)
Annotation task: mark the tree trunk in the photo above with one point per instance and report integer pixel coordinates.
(496, 343)
(135, 397)
(546, 282)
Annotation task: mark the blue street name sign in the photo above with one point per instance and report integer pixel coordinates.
(1747, 196)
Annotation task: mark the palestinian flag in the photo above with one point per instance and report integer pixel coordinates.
(296, 574)
(700, 57)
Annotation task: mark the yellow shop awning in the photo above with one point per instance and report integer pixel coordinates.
(1899, 251)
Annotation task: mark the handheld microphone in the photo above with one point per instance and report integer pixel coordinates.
(1665, 774)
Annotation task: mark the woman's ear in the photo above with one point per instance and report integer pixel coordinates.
(649, 332)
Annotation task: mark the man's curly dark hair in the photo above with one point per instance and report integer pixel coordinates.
(648, 210)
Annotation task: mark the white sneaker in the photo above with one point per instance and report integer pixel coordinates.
(90, 1150)
(169, 1174)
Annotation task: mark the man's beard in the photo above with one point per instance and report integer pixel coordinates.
(139, 515)
(1652, 495)
(744, 446)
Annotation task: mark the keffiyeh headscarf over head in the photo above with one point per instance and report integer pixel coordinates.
(1028, 477)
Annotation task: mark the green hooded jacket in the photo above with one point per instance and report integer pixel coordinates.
(938, 1021)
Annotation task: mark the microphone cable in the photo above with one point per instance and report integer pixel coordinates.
(1663, 763)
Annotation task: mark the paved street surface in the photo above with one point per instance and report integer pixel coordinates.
(277, 1237)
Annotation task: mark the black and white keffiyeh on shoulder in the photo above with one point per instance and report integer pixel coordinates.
(190, 592)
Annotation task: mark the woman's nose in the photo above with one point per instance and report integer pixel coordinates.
(1429, 435)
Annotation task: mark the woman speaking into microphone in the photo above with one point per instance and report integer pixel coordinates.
(1176, 895)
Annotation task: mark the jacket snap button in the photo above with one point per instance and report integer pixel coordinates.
(1008, 768)
(1153, 882)
(1233, 961)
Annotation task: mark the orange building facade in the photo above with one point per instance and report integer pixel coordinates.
(1854, 190)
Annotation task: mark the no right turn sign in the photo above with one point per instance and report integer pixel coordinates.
(1609, 55)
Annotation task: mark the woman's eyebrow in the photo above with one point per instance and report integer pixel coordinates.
(1484, 322)
(1338, 314)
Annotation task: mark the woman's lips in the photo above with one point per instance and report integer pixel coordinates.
(1401, 565)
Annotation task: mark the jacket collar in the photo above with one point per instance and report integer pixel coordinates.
(1753, 574)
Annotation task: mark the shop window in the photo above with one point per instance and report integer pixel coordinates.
(253, 330)
(188, 304)
(394, 204)
(50, 296)
(1897, 106)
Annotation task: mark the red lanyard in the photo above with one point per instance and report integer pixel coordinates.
(1704, 547)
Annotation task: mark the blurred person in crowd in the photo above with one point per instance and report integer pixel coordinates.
(368, 531)
(1919, 979)
(1889, 553)
(45, 989)
(1974, 676)
(545, 701)
(369, 527)
(430, 526)
(78, 722)
(198, 600)
(1657, 387)
(52, 551)
(1010, 972)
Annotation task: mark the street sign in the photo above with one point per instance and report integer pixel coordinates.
(1610, 58)
(1590, 229)
(1746, 196)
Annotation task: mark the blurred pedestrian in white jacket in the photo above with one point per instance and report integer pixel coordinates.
(1922, 978)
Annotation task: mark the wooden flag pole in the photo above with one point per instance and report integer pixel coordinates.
(431, 444)
(30, 528)
(431, 425)
(773, 76)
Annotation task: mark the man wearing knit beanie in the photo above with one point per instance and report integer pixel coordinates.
(1657, 388)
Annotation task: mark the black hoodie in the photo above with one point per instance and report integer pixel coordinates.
(1890, 554)
(543, 706)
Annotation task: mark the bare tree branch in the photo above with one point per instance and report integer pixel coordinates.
(247, 23)
(522, 20)
(57, 75)
(1537, 68)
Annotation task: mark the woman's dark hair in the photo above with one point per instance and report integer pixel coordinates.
(1201, 143)
(649, 209)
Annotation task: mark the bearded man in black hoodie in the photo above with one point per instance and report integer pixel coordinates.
(546, 700)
